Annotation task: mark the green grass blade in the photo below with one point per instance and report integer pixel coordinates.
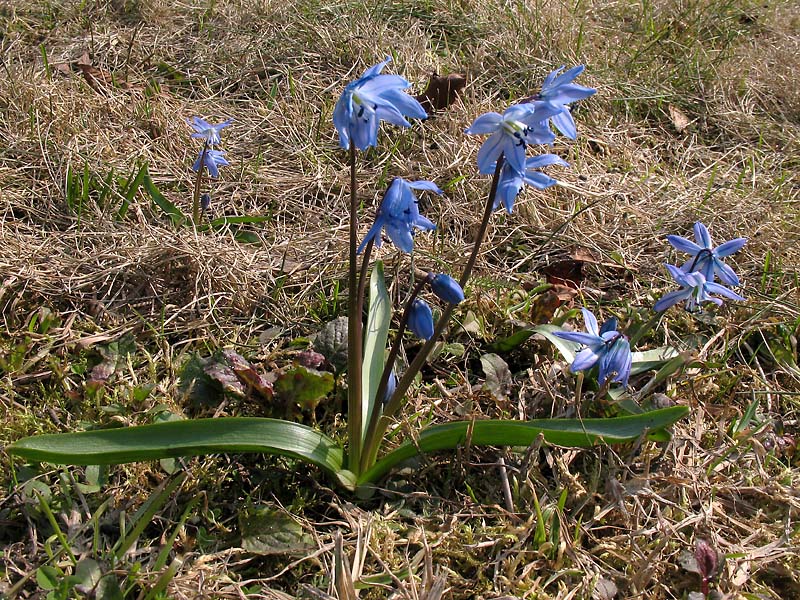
(578, 433)
(167, 207)
(375, 337)
(184, 438)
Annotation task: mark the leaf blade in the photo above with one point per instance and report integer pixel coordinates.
(376, 335)
(580, 433)
(184, 438)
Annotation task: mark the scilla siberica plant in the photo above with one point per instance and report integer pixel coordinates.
(376, 383)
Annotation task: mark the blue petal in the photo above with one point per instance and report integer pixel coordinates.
(561, 80)
(540, 181)
(671, 299)
(725, 273)
(388, 112)
(564, 122)
(489, 152)
(374, 233)
(590, 322)
(508, 188)
(715, 288)
(609, 326)
(701, 235)
(447, 288)
(616, 360)
(400, 234)
(428, 186)
(684, 245)
(376, 69)
(376, 86)
(730, 247)
(585, 359)
(420, 319)
(571, 92)
(406, 104)
(544, 160)
(486, 123)
(579, 337)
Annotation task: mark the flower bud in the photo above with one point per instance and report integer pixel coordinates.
(447, 288)
(391, 386)
(420, 319)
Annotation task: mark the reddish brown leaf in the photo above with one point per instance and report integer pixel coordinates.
(98, 79)
(441, 91)
(247, 374)
(545, 304)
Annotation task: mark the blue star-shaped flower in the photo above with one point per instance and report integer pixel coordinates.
(604, 346)
(211, 160)
(420, 319)
(368, 100)
(511, 180)
(705, 257)
(206, 131)
(399, 214)
(511, 132)
(695, 289)
(558, 91)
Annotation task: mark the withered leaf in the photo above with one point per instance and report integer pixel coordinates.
(441, 91)
(247, 373)
(679, 120)
(546, 303)
(98, 79)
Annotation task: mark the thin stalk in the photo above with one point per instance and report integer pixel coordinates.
(372, 440)
(362, 277)
(367, 459)
(198, 184)
(354, 342)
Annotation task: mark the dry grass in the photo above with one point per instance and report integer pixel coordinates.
(276, 69)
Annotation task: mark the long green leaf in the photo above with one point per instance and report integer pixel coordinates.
(172, 211)
(578, 433)
(375, 337)
(568, 349)
(184, 438)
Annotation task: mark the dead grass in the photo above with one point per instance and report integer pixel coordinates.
(637, 175)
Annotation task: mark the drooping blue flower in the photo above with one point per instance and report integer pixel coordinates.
(391, 386)
(511, 180)
(368, 100)
(604, 346)
(420, 319)
(705, 258)
(447, 288)
(205, 130)
(695, 289)
(211, 160)
(558, 91)
(399, 214)
(511, 132)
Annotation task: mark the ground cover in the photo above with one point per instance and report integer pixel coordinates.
(108, 304)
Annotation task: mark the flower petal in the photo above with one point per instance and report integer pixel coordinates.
(702, 236)
(489, 152)
(725, 273)
(486, 123)
(715, 288)
(579, 337)
(585, 359)
(684, 245)
(671, 299)
(564, 122)
(590, 322)
(730, 247)
(422, 184)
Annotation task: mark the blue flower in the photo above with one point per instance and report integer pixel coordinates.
(558, 91)
(205, 130)
(391, 386)
(695, 289)
(399, 214)
(605, 346)
(420, 319)
(511, 180)
(212, 160)
(705, 258)
(518, 126)
(368, 100)
(447, 288)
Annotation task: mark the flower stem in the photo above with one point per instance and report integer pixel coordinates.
(198, 184)
(373, 437)
(354, 342)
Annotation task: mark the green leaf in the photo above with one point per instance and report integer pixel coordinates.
(183, 438)
(652, 359)
(268, 530)
(48, 577)
(498, 376)
(304, 386)
(515, 339)
(567, 349)
(331, 342)
(376, 335)
(129, 191)
(88, 573)
(167, 207)
(575, 433)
